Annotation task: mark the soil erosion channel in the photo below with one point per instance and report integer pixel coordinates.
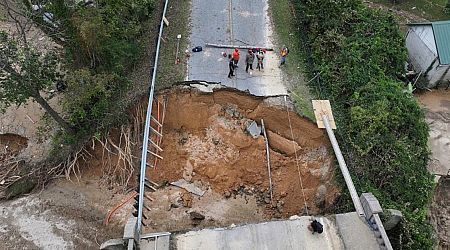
(206, 143)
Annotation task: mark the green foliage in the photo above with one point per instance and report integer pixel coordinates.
(103, 37)
(359, 53)
(24, 72)
(95, 97)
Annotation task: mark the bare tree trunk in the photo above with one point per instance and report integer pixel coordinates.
(44, 104)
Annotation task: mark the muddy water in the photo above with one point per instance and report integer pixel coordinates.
(437, 106)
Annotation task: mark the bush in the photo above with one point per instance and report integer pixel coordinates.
(360, 53)
(107, 34)
(94, 99)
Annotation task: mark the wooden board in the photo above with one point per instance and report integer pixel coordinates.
(323, 107)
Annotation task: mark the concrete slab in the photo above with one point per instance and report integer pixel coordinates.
(233, 22)
(157, 243)
(282, 235)
(355, 233)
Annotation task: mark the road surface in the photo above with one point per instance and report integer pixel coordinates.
(233, 22)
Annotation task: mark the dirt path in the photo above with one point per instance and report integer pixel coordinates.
(65, 215)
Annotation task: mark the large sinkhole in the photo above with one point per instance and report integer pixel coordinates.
(206, 143)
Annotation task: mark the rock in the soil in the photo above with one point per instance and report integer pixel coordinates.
(187, 200)
(320, 196)
(227, 194)
(280, 206)
(184, 136)
(196, 216)
(394, 217)
(281, 144)
(267, 200)
(253, 129)
(294, 217)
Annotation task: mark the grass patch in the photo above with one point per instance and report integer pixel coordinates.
(432, 10)
(169, 72)
(288, 34)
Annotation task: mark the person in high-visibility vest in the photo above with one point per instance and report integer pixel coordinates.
(236, 56)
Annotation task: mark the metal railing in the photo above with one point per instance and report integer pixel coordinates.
(147, 130)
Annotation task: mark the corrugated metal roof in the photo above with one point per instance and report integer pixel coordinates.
(442, 37)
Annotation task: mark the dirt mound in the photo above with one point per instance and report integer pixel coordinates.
(440, 212)
(12, 144)
(205, 142)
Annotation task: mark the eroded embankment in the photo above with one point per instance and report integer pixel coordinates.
(206, 142)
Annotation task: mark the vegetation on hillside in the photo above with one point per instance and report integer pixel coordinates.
(97, 44)
(429, 9)
(359, 54)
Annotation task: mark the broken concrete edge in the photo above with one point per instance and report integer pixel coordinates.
(113, 244)
(216, 86)
(372, 209)
(129, 232)
(253, 129)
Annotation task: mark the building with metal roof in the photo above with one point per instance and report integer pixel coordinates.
(428, 47)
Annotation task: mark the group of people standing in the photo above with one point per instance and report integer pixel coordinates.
(257, 53)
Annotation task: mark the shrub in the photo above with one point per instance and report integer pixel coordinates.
(360, 53)
(94, 99)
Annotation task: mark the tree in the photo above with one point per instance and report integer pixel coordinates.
(24, 73)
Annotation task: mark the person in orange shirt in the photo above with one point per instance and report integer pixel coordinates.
(236, 56)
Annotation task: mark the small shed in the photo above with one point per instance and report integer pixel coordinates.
(428, 47)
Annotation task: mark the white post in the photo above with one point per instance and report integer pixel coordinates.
(343, 167)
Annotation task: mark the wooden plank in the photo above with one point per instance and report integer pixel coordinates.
(156, 145)
(156, 121)
(160, 157)
(323, 107)
(228, 46)
(268, 160)
(155, 131)
(148, 197)
(166, 22)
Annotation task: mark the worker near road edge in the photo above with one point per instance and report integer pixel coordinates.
(249, 58)
(283, 52)
(231, 66)
(315, 227)
(236, 56)
(260, 58)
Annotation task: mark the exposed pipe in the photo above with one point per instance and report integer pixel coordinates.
(343, 167)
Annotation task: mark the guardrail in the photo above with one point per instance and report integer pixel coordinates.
(143, 166)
